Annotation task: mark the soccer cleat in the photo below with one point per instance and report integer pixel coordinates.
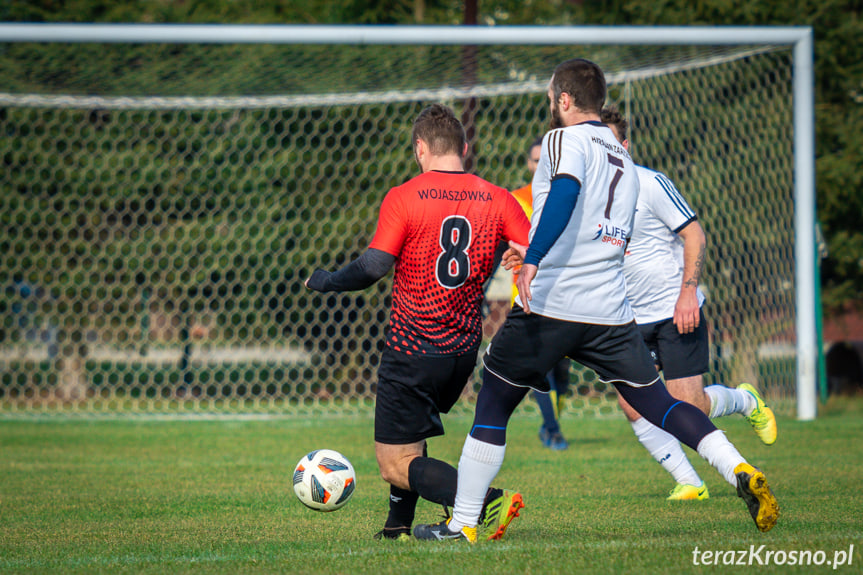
(394, 533)
(753, 489)
(761, 419)
(683, 492)
(554, 441)
(440, 532)
(499, 513)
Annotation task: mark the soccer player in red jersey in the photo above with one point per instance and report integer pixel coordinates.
(440, 230)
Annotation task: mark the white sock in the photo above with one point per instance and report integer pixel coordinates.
(727, 400)
(721, 454)
(477, 468)
(666, 450)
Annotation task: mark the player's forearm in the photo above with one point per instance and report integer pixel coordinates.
(694, 249)
(364, 271)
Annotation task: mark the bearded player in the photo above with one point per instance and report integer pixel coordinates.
(572, 302)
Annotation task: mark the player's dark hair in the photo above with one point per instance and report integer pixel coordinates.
(612, 117)
(438, 127)
(535, 143)
(583, 81)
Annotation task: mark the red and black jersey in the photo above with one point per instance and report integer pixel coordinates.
(443, 228)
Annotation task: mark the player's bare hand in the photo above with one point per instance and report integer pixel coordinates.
(514, 256)
(525, 276)
(518, 248)
(687, 313)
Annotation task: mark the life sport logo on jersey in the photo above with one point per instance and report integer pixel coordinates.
(611, 235)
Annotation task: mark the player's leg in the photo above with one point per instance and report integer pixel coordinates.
(521, 352)
(412, 474)
(667, 451)
(393, 462)
(412, 392)
(691, 426)
(481, 459)
(485, 446)
(685, 356)
(412, 412)
(435, 480)
(662, 446)
(691, 390)
(560, 373)
(745, 400)
(549, 432)
(728, 401)
(620, 356)
(519, 358)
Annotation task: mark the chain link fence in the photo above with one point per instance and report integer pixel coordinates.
(157, 220)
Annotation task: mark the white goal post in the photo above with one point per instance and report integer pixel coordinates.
(800, 39)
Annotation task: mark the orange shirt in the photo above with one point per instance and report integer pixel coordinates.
(524, 196)
(525, 199)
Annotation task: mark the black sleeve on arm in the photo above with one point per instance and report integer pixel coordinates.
(371, 266)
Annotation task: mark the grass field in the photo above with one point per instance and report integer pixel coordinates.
(167, 496)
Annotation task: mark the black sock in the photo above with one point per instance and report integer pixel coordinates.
(403, 504)
(434, 480)
(437, 481)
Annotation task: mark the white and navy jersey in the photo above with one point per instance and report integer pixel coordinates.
(580, 278)
(653, 265)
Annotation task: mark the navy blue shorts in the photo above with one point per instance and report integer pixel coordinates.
(528, 345)
(678, 355)
(413, 391)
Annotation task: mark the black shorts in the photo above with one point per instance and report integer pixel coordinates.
(414, 390)
(528, 345)
(678, 355)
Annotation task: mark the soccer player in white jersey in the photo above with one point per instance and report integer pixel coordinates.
(662, 267)
(572, 302)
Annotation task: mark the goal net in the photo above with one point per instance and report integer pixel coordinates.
(161, 205)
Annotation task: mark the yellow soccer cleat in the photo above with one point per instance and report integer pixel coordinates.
(753, 489)
(683, 492)
(761, 419)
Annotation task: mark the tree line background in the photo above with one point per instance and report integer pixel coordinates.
(838, 64)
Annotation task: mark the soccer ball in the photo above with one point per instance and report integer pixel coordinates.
(324, 480)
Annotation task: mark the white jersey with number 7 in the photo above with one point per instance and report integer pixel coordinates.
(581, 277)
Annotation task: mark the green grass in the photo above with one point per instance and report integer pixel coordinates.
(214, 497)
